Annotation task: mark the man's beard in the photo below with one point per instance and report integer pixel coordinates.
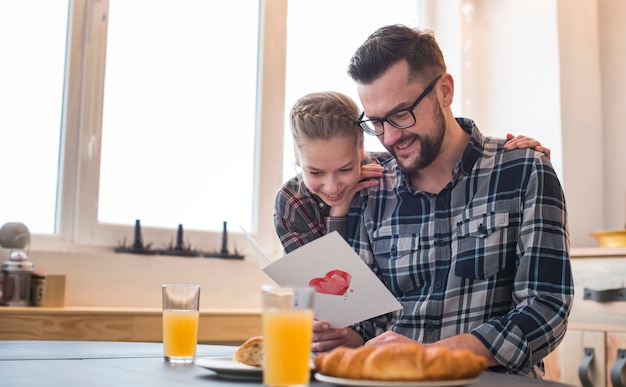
(429, 146)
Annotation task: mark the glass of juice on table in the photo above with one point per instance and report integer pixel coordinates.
(287, 334)
(180, 322)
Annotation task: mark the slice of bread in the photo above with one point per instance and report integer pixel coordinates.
(250, 352)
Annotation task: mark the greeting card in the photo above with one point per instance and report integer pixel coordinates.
(347, 291)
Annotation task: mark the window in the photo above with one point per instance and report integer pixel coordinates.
(177, 142)
(127, 110)
(32, 41)
(178, 124)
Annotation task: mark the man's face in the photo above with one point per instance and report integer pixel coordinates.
(417, 146)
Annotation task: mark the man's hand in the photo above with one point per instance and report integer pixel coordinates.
(326, 338)
(389, 337)
(462, 341)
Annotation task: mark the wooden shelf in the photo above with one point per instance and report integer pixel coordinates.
(120, 324)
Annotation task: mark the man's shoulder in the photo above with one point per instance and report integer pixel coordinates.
(390, 180)
(495, 145)
(378, 157)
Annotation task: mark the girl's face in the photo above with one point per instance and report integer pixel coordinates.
(330, 167)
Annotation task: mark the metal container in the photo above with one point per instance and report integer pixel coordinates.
(17, 273)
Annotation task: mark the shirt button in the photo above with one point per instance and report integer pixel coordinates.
(321, 205)
(440, 200)
(429, 327)
(437, 285)
(394, 249)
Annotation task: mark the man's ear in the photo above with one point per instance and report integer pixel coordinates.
(447, 89)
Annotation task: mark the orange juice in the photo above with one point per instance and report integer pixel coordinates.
(180, 334)
(287, 335)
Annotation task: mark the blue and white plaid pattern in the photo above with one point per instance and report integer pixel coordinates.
(488, 255)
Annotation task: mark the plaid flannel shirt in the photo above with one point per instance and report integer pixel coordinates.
(301, 216)
(488, 255)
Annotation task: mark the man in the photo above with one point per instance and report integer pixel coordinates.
(470, 238)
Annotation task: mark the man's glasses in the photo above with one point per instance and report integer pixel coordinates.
(400, 119)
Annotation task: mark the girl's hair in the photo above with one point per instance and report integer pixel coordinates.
(324, 115)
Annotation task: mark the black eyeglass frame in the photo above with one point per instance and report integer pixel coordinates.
(365, 124)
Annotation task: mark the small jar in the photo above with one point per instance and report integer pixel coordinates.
(37, 287)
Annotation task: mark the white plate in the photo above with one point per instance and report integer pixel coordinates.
(380, 383)
(226, 367)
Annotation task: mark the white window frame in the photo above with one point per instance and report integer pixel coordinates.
(77, 225)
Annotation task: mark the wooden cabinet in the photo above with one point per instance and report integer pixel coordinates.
(596, 352)
(596, 336)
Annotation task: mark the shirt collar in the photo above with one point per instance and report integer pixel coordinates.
(473, 150)
(321, 204)
(318, 202)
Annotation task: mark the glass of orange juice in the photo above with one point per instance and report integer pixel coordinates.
(287, 334)
(180, 322)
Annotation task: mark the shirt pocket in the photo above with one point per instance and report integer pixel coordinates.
(397, 257)
(482, 246)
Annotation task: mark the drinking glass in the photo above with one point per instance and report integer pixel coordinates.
(180, 322)
(287, 334)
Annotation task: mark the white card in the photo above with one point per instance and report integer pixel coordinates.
(346, 290)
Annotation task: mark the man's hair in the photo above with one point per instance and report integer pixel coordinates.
(324, 115)
(390, 44)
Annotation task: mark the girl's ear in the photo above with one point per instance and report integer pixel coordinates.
(297, 155)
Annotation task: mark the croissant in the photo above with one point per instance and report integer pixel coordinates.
(400, 362)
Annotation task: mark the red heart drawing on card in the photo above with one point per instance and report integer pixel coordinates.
(334, 282)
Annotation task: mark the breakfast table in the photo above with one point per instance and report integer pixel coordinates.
(105, 363)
